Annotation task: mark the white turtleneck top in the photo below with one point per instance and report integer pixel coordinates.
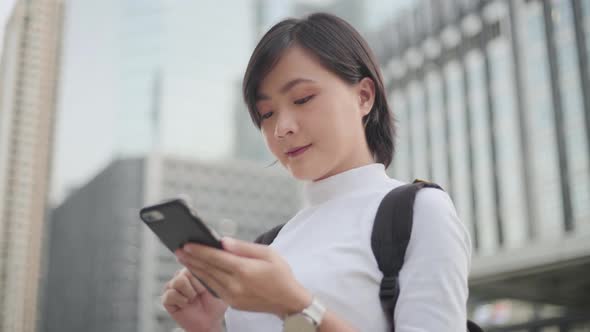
(328, 246)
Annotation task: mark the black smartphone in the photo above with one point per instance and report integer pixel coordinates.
(176, 224)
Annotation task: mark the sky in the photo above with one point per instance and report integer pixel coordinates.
(206, 47)
(205, 50)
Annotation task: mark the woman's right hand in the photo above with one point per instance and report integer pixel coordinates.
(191, 305)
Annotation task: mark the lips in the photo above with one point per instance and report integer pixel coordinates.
(297, 151)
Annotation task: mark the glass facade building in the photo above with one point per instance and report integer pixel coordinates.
(509, 155)
(572, 108)
(489, 102)
(537, 96)
(485, 212)
(492, 101)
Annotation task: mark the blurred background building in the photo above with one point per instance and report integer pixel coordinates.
(147, 74)
(29, 72)
(493, 103)
(109, 269)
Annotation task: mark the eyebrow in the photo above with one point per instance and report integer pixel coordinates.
(286, 87)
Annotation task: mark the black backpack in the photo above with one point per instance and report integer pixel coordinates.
(389, 241)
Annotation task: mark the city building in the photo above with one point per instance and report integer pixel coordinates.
(492, 102)
(29, 81)
(106, 269)
(147, 74)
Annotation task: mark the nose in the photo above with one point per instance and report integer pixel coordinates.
(286, 124)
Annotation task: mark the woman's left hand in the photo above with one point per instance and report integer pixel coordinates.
(247, 276)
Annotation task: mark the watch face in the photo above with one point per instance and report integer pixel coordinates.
(299, 323)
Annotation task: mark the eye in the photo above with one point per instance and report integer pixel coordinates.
(303, 100)
(266, 115)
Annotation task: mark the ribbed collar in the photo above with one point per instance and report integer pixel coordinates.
(318, 192)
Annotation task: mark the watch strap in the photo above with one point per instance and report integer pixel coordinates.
(315, 311)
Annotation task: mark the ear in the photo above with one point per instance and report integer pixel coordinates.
(366, 93)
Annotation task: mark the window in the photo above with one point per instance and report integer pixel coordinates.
(573, 110)
(540, 123)
(437, 128)
(459, 143)
(510, 171)
(482, 154)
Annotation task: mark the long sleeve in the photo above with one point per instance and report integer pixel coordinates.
(433, 279)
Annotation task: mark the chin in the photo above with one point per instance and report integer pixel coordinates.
(303, 176)
(306, 173)
(299, 172)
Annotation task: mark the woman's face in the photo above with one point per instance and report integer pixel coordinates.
(312, 119)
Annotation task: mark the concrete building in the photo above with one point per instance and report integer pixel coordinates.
(29, 76)
(107, 270)
(492, 102)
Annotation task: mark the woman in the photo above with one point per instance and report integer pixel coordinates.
(314, 89)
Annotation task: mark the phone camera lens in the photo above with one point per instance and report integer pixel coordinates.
(152, 216)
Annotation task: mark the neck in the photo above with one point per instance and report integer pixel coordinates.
(344, 183)
(361, 158)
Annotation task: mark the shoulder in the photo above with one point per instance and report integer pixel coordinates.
(436, 200)
(437, 227)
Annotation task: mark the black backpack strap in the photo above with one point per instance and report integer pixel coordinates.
(269, 236)
(472, 327)
(390, 237)
(389, 240)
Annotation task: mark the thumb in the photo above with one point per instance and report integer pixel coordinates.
(245, 249)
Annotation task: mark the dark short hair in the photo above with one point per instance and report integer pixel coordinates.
(341, 50)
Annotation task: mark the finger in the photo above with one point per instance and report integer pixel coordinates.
(211, 281)
(222, 276)
(245, 249)
(208, 290)
(168, 284)
(183, 285)
(172, 298)
(197, 285)
(211, 257)
(172, 308)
